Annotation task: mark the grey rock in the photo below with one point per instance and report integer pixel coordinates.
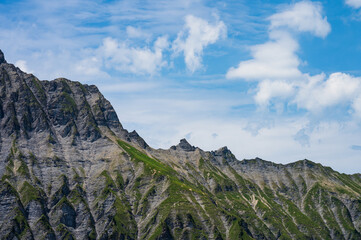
(2, 58)
(184, 145)
(69, 170)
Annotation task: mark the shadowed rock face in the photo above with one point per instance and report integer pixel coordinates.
(184, 145)
(2, 58)
(70, 171)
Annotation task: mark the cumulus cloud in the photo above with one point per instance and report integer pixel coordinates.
(318, 93)
(271, 89)
(275, 59)
(120, 56)
(196, 35)
(353, 3)
(356, 105)
(275, 63)
(303, 16)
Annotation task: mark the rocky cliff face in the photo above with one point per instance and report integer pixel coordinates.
(70, 171)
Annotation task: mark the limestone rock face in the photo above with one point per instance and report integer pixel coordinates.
(69, 170)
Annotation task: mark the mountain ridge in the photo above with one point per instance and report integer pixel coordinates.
(69, 170)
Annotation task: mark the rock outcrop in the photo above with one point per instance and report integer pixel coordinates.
(69, 170)
(2, 57)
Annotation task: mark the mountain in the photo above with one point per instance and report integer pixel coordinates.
(69, 170)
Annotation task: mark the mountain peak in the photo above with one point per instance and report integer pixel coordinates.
(138, 139)
(184, 144)
(2, 58)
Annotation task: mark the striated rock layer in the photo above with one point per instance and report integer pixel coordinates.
(70, 171)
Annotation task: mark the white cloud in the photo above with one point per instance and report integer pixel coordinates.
(354, 3)
(22, 64)
(271, 89)
(303, 16)
(133, 32)
(357, 106)
(90, 67)
(275, 59)
(275, 63)
(197, 34)
(120, 56)
(317, 94)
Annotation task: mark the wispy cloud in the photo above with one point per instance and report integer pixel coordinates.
(22, 64)
(197, 35)
(124, 58)
(134, 32)
(68, 31)
(353, 3)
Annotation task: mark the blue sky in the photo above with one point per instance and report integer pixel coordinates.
(279, 80)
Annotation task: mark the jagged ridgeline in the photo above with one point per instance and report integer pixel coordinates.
(70, 171)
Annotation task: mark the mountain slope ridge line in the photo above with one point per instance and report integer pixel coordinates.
(69, 170)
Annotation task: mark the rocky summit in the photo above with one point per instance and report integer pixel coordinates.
(69, 170)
